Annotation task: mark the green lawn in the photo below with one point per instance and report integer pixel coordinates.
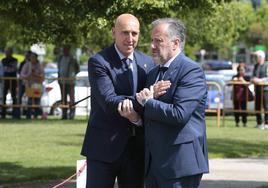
(39, 150)
(48, 149)
(230, 141)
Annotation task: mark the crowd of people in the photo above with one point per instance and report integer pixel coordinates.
(26, 79)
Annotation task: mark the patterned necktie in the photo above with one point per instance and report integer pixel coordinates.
(161, 73)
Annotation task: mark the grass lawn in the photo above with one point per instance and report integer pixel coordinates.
(40, 150)
(232, 142)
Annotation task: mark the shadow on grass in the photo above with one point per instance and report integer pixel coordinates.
(231, 148)
(14, 173)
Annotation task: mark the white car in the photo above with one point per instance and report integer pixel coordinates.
(51, 97)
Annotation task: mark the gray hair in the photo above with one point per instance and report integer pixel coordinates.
(176, 29)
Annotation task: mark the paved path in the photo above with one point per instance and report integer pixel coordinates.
(224, 173)
(236, 173)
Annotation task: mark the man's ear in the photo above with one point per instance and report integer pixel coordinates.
(113, 32)
(176, 44)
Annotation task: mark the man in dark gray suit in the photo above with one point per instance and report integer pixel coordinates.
(175, 130)
(113, 145)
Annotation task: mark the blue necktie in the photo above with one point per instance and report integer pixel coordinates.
(131, 71)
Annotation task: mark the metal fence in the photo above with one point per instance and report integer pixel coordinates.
(50, 96)
(47, 91)
(211, 107)
(250, 103)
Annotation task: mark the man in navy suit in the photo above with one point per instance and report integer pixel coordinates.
(114, 145)
(175, 130)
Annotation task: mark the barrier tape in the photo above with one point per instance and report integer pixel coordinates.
(71, 177)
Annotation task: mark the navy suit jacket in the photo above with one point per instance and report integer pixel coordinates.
(175, 131)
(107, 132)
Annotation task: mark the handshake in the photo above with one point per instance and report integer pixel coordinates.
(125, 108)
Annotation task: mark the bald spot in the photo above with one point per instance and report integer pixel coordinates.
(126, 19)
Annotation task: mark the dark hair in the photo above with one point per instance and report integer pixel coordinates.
(35, 54)
(241, 65)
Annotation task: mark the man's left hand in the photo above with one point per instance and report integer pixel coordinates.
(145, 95)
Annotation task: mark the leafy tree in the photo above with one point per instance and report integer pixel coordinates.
(86, 22)
(258, 30)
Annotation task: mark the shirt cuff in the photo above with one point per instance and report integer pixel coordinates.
(138, 123)
(144, 101)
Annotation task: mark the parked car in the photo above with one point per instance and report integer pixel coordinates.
(217, 65)
(226, 75)
(50, 75)
(52, 95)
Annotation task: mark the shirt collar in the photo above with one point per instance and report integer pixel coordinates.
(121, 55)
(167, 64)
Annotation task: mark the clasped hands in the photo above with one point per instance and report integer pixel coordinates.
(125, 108)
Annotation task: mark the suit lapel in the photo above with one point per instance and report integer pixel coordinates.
(114, 59)
(142, 69)
(118, 72)
(152, 77)
(171, 75)
(175, 64)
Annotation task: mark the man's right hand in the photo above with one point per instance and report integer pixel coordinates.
(126, 110)
(161, 87)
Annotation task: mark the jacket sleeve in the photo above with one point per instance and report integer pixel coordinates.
(102, 87)
(189, 93)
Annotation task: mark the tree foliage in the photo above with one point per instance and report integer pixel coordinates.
(258, 29)
(84, 22)
(211, 24)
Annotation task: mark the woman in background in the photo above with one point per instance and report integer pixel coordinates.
(33, 75)
(241, 94)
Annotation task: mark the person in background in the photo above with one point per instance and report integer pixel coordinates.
(10, 70)
(241, 94)
(68, 67)
(33, 74)
(21, 83)
(114, 145)
(260, 75)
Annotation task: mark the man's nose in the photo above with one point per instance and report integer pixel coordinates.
(130, 37)
(152, 45)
